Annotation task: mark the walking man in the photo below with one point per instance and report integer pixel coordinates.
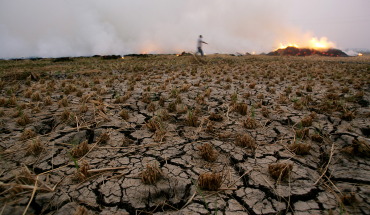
(200, 41)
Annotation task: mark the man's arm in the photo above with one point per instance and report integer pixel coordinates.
(204, 42)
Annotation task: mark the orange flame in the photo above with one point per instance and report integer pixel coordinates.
(359, 54)
(313, 43)
(177, 55)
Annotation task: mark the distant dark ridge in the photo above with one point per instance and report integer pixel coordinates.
(293, 51)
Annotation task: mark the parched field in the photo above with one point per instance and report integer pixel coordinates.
(163, 134)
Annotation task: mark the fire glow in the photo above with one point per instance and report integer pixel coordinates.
(314, 43)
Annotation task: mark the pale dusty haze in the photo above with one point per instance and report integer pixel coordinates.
(83, 28)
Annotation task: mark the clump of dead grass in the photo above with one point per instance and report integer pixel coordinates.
(265, 112)
(172, 107)
(151, 107)
(358, 147)
(35, 147)
(65, 115)
(104, 137)
(63, 102)
(161, 101)
(282, 99)
(23, 120)
(80, 150)
(280, 171)
(152, 124)
(250, 123)
(317, 138)
(210, 181)
(209, 127)
(151, 174)
(241, 108)
(47, 101)
(215, 117)
(207, 152)
(27, 134)
(245, 141)
(300, 148)
(348, 199)
(307, 121)
(348, 115)
(83, 171)
(146, 98)
(302, 133)
(192, 119)
(124, 114)
(84, 108)
(252, 85)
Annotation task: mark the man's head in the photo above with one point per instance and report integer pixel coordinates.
(200, 36)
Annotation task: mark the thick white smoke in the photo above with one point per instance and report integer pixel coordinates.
(74, 28)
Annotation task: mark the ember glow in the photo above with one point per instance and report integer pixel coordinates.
(359, 54)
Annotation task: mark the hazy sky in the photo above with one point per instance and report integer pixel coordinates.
(74, 28)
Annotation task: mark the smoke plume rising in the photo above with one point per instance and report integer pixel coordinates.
(82, 28)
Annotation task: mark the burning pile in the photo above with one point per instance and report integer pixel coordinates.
(295, 51)
(320, 47)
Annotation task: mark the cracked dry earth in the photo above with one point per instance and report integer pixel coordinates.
(64, 111)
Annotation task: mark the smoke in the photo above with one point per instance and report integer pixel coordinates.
(82, 28)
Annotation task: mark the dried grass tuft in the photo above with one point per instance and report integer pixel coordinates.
(36, 96)
(104, 137)
(215, 117)
(210, 181)
(65, 115)
(317, 138)
(151, 107)
(82, 173)
(347, 115)
(245, 141)
(151, 174)
(207, 152)
(282, 99)
(63, 102)
(80, 150)
(250, 123)
(161, 101)
(307, 121)
(159, 135)
(27, 133)
(300, 148)
(280, 171)
(146, 98)
(348, 199)
(152, 125)
(23, 120)
(35, 147)
(47, 101)
(124, 114)
(359, 148)
(84, 108)
(192, 119)
(210, 127)
(242, 108)
(302, 133)
(265, 112)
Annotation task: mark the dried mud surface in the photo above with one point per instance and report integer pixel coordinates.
(283, 96)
